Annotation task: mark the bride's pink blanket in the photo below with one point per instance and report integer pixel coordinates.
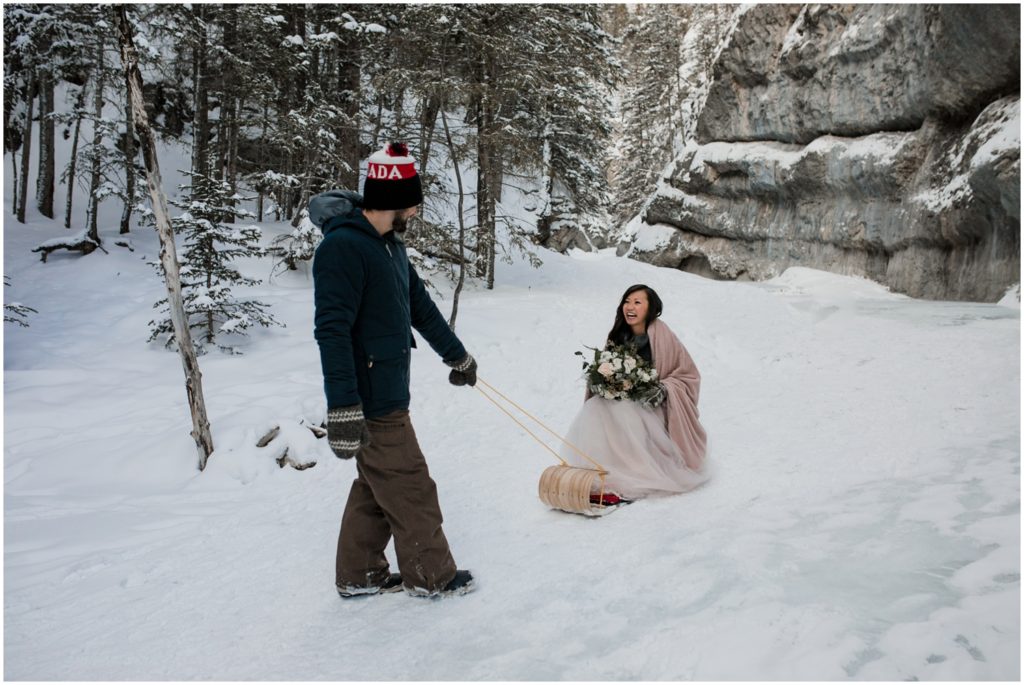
(682, 380)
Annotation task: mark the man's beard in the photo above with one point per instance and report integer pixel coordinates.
(399, 224)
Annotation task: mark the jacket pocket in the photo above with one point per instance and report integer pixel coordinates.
(387, 367)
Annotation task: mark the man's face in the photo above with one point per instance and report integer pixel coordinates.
(401, 221)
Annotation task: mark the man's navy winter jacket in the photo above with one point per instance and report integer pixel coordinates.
(368, 299)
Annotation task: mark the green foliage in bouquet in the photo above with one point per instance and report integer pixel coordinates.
(618, 372)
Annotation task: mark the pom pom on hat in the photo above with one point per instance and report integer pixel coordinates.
(391, 179)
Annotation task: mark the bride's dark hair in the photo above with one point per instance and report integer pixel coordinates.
(620, 329)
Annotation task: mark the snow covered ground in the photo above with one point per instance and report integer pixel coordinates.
(863, 521)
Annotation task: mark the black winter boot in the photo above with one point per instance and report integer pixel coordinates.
(392, 584)
(461, 584)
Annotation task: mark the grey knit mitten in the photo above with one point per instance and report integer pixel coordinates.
(463, 371)
(346, 431)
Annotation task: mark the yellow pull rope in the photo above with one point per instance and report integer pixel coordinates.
(511, 416)
(539, 423)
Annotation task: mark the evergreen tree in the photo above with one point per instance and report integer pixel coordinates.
(501, 71)
(308, 138)
(72, 121)
(63, 30)
(208, 273)
(669, 51)
(296, 247)
(287, 100)
(53, 44)
(575, 111)
(419, 64)
(15, 312)
(651, 122)
(27, 30)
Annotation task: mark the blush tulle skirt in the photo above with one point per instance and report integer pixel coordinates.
(633, 445)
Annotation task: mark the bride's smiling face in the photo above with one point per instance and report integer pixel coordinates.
(634, 309)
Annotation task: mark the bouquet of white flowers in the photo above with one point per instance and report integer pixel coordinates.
(618, 372)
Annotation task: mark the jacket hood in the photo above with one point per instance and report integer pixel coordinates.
(333, 204)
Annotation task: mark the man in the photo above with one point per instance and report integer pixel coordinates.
(368, 298)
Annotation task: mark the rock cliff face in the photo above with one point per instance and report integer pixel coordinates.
(874, 140)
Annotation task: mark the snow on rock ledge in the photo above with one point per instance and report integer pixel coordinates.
(822, 145)
(796, 72)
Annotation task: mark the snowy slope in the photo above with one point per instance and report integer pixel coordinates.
(863, 520)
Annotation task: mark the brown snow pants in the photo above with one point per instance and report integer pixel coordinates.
(394, 495)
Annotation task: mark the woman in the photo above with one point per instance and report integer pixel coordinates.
(652, 448)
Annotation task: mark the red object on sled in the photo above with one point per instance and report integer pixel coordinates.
(608, 499)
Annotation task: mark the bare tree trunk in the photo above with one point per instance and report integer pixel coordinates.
(486, 235)
(285, 200)
(14, 178)
(201, 105)
(492, 240)
(129, 168)
(45, 179)
(8, 112)
(26, 151)
(301, 80)
(92, 223)
(305, 191)
(379, 122)
(314, 49)
(220, 167)
(73, 163)
(220, 162)
(399, 109)
(209, 283)
(493, 171)
(497, 174)
(462, 224)
(262, 194)
(168, 255)
(289, 203)
(544, 217)
(481, 186)
(237, 105)
(229, 101)
(348, 82)
(487, 157)
(428, 119)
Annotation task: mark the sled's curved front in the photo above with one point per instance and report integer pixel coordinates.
(568, 488)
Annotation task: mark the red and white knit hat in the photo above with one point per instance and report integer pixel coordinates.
(391, 179)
